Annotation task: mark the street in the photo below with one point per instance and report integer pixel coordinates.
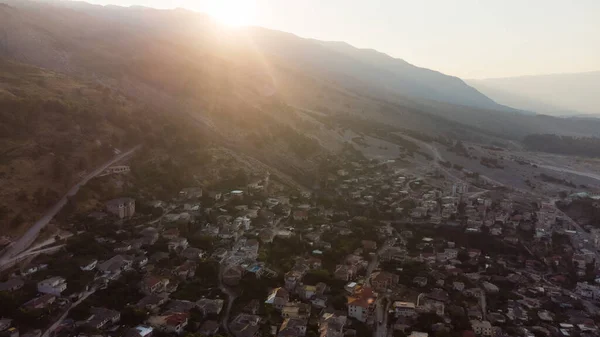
(63, 316)
(32, 233)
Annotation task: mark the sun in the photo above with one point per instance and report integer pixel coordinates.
(232, 12)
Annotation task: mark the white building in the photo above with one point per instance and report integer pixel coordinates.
(54, 286)
(481, 328)
(459, 189)
(121, 207)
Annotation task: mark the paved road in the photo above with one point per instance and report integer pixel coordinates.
(381, 316)
(29, 237)
(63, 316)
(231, 296)
(27, 254)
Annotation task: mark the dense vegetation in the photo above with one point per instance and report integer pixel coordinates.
(581, 146)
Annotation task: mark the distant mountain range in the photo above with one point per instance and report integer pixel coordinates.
(557, 95)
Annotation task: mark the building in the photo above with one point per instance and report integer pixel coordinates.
(114, 266)
(40, 302)
(53, 285)
(171, 322)
(404, 309)
(293, 327)
(244, 325)
(459, 189)
(482, 328)
(278, 298)
(296, 310)
(101, 317)
(361, 304)
(332, 325)
(383, 280)
(121, 207)
(117, 169)
(210, 306)
(153, 284)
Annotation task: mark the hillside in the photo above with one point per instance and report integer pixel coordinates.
(557, 94)
(54, 129)
(183, 61)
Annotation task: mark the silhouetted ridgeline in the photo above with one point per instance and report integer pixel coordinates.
(582, 146)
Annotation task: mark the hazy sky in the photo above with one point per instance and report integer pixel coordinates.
(466, 38)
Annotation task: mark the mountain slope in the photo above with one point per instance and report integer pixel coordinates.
(368, 69)
(559, 94)
(415, 81)
(241, 84)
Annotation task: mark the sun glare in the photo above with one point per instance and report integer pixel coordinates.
(232, 12)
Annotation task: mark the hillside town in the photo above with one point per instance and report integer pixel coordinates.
(375, 250)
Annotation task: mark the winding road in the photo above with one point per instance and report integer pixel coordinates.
(32, 233)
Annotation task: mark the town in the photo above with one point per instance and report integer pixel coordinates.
(376, 250)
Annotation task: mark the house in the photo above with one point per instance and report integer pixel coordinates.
(140, 261)
(186, 270)
(210, 306)
(209, 328)
(490, 287)
(170, 322)
(344, 272)
(232, 275)
(292, 278)
(12, 284)
(89, 265)
(101, 317)
(481, 328)
(121, 207)
(296, 310)
(53, 285)
(300, 215)
(458, 286)
(474, 253)
(140, 331)
(153, 284)
(171, 233)
(307, 291)
(361, 304)
(244, 325)
(116, 169)
(319, 301)
(381, 280)
(278, 298)
(34, 269)
(420, 281)
(332, 325)
(431, 305)
(115, 265)
(404, 309)
(293, 327)
(40, 302)
(178, 244)
(152, 302)
(191, 193)
(219, 254)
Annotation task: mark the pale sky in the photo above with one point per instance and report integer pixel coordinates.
(465, 38)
